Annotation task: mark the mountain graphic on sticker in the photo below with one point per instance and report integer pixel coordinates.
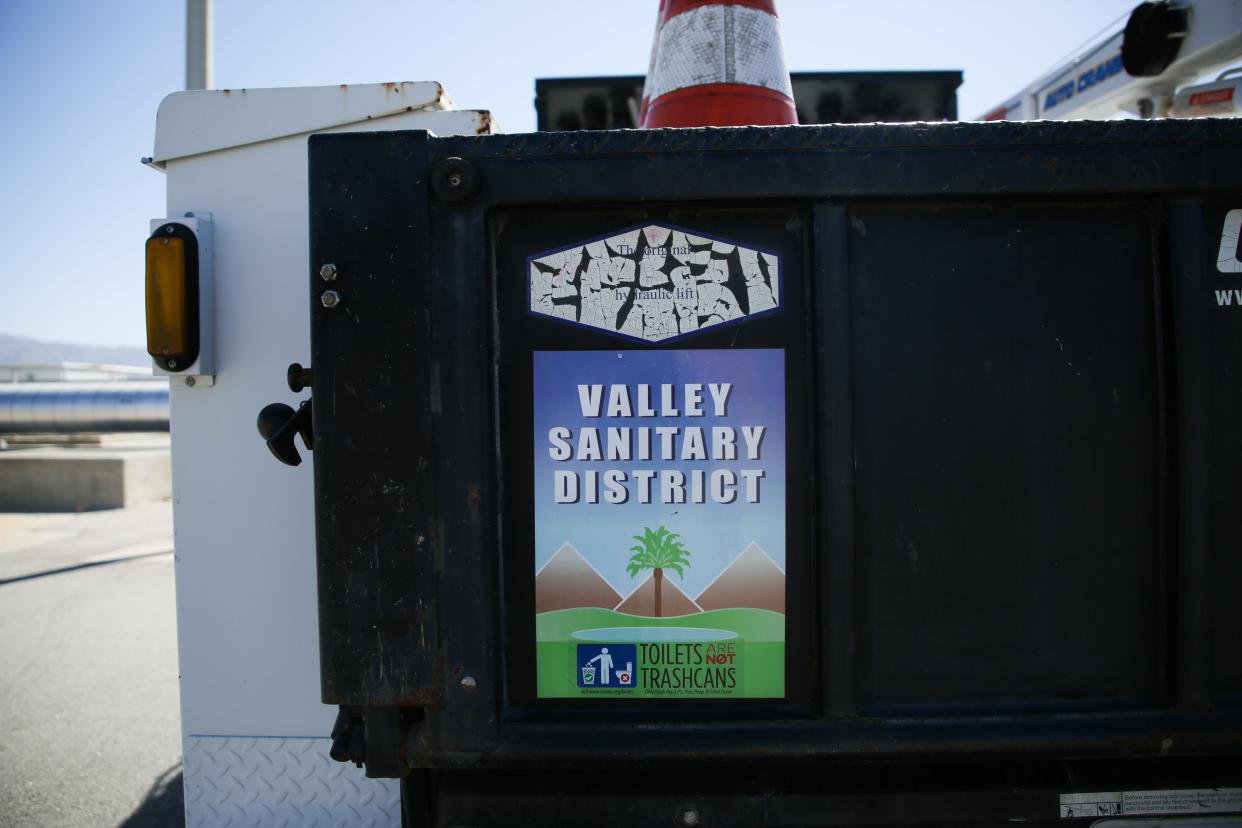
(642, 600)
(654, 283)
(568, 581)
(752, 579)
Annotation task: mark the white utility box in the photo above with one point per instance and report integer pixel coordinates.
(254, 733)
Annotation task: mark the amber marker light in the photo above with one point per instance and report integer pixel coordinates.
(172, 297)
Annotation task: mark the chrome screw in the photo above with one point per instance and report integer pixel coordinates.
(327, 272)
(330, 299)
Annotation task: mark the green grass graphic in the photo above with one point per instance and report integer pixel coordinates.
(760, 646)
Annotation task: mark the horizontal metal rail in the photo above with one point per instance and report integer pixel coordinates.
(72, 407)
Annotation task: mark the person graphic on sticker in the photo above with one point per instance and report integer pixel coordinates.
(605, 664)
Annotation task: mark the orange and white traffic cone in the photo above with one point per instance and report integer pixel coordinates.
(717, 63)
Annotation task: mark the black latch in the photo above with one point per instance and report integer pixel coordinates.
(279, 422)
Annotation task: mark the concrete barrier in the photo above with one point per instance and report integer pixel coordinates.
(86, 477)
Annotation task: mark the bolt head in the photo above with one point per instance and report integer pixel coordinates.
(327, 272)
(690, 817)
(468, 683)
(190, 381)
(330, 299)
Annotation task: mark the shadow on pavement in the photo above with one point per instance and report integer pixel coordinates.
(85, 565)
(163, 805)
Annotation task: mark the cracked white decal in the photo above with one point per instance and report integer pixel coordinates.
(654, 283)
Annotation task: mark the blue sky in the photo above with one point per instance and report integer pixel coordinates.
(83, 80)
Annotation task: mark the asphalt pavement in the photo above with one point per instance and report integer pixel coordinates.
(88, 670)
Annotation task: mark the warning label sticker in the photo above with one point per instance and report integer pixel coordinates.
(1139, 803)
(654, 283)
(660, 523)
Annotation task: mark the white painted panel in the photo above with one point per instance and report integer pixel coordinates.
(207, 120)
(244, 523)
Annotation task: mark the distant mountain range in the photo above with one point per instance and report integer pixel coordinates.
(21, 350)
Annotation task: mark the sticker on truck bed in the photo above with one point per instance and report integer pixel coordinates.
(1227, 256)
(654, 283)
(1140, 803)
(1227, 261)
(660, 523)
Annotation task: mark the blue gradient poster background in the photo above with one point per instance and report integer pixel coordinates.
(715, 533)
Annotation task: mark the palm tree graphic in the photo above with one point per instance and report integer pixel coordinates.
(657, 551)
